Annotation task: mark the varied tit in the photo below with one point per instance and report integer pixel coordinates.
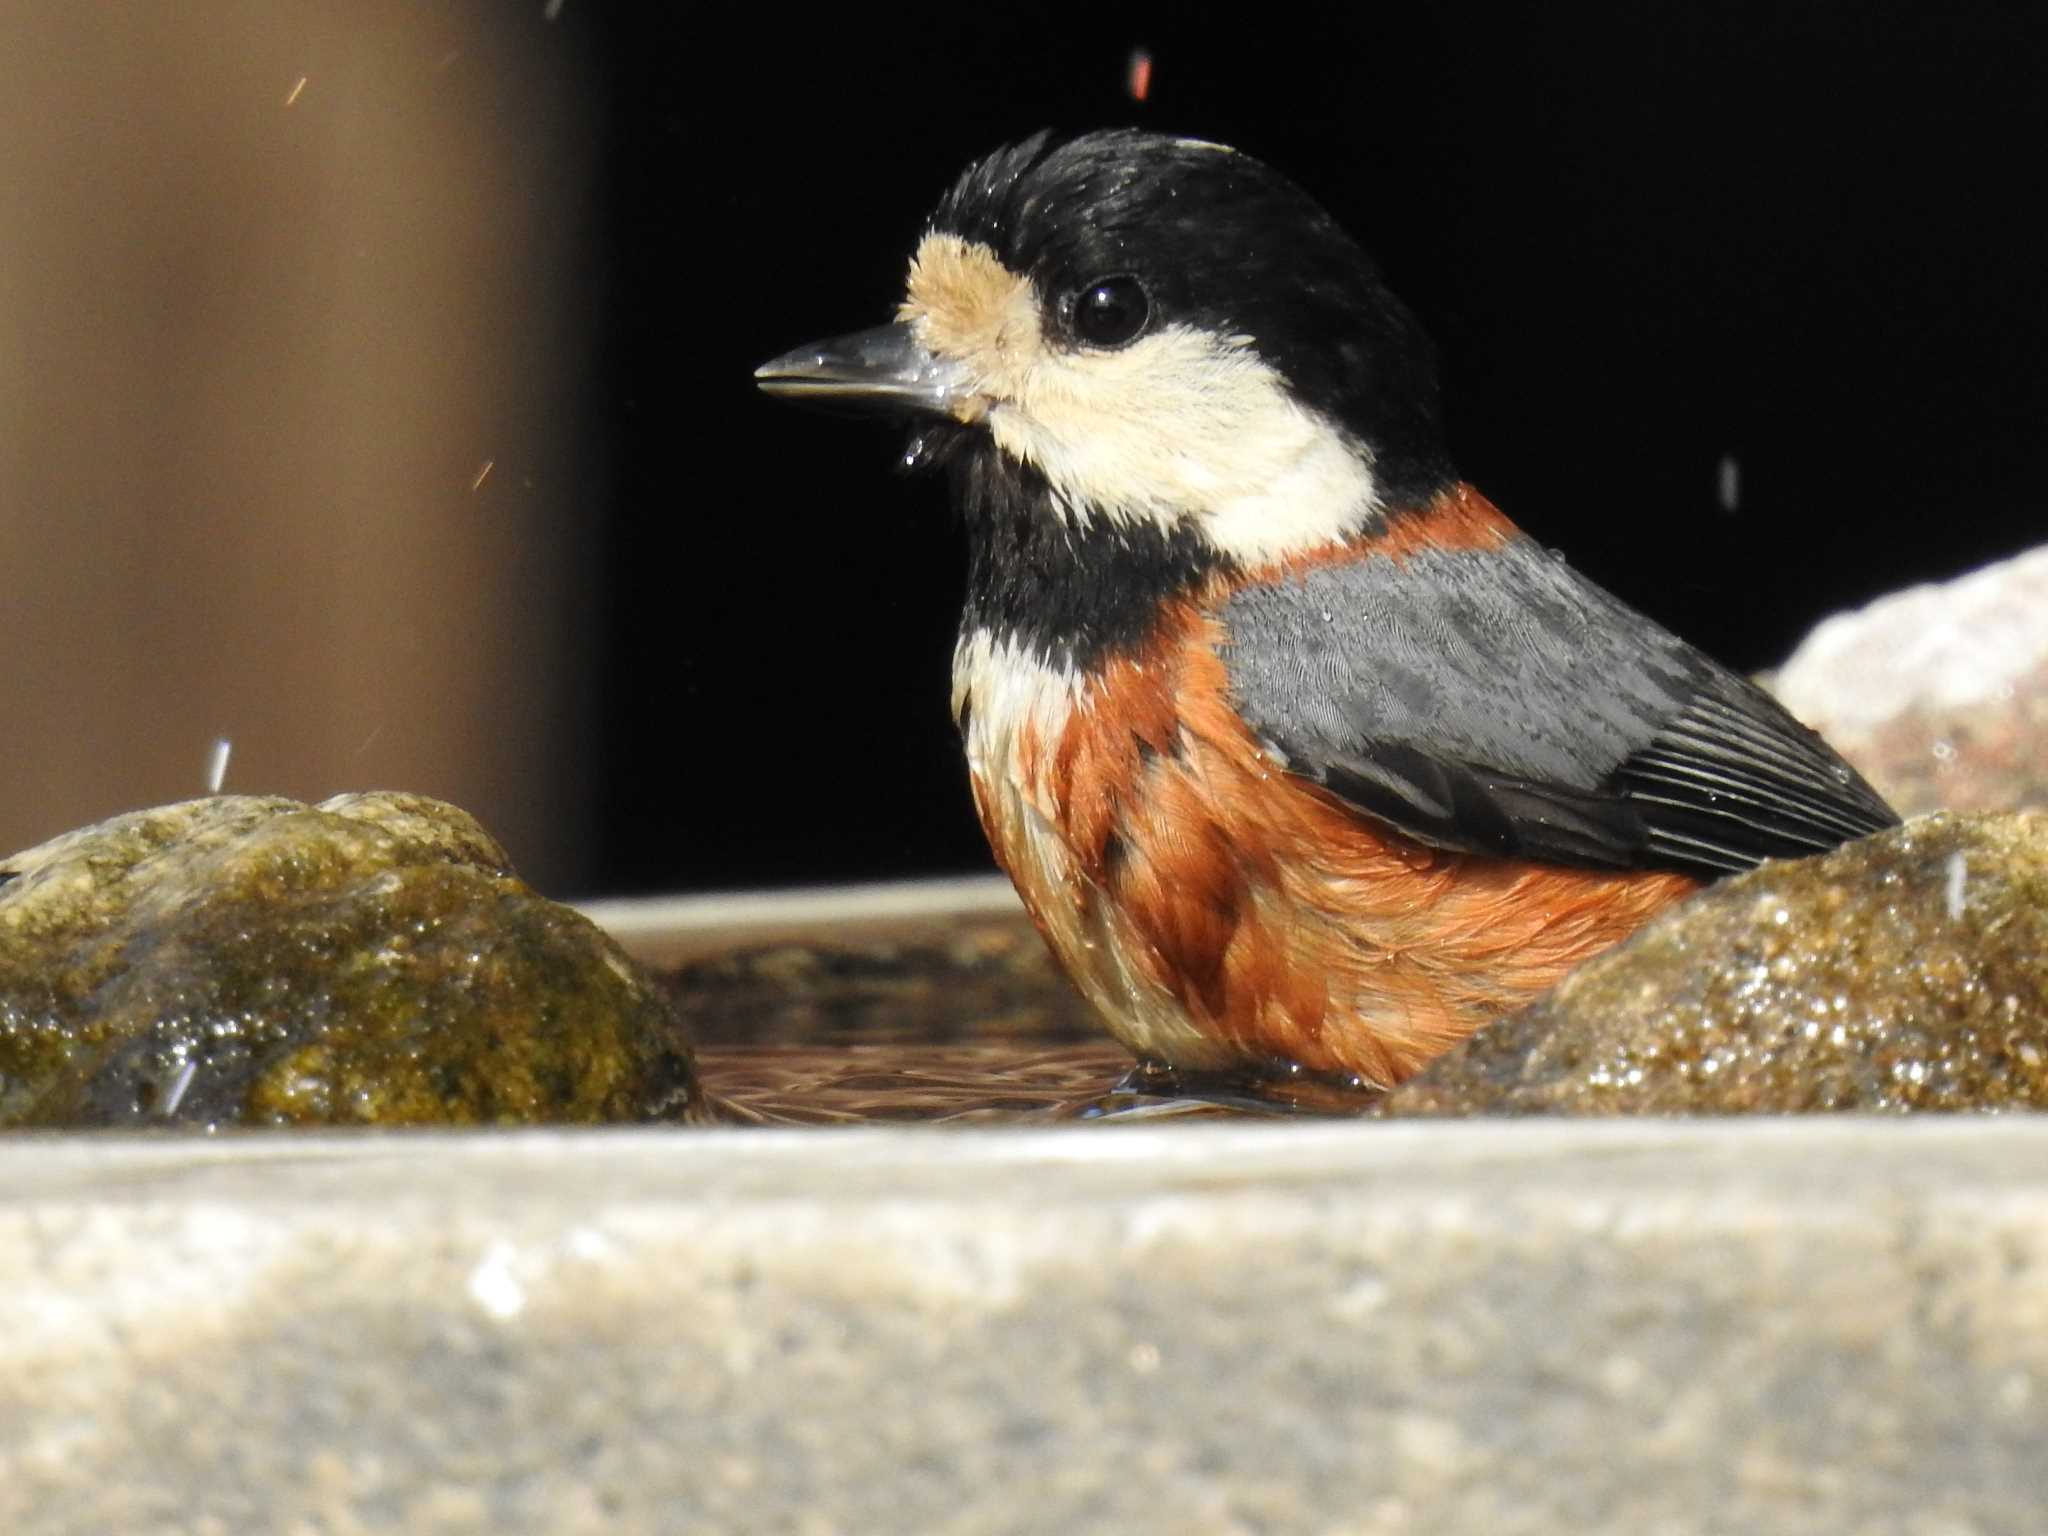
(1300, 754)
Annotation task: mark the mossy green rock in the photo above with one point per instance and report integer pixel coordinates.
(246, 960)
(1908, 971)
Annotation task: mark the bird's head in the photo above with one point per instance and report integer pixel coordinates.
(1161, 330)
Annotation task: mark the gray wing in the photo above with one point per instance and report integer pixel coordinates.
(1497, 701)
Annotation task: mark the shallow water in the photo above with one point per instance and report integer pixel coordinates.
(1003, 1081)
(971, 1024)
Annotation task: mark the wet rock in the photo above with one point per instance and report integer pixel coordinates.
(1908, 971)
(1940, 693)
(246, 960)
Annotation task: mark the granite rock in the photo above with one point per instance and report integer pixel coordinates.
(251, 960)
(1939, 694)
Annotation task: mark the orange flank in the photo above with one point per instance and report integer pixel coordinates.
(1221, 912)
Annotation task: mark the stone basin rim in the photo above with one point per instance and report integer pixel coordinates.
(856, 905)
(1770, 1155)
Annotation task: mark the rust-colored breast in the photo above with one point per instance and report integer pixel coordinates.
(1219, 911)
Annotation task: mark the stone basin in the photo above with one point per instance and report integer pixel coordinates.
(1200, 1325)
(1822, 1326)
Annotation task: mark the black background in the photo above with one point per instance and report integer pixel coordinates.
(1645, 238)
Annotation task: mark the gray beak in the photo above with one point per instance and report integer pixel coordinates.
(882, 371)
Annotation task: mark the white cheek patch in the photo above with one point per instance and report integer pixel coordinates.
(1181, 427)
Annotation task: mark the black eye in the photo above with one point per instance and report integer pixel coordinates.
(1111, 312)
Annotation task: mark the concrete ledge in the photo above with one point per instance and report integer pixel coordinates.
(1822, 1326)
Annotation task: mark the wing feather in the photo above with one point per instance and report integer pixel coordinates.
(1497, 701)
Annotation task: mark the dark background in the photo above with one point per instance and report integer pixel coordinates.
(1646, 238)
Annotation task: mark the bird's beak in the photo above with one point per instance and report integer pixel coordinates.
(883, 371)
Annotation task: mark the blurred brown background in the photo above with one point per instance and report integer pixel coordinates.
(278, 281)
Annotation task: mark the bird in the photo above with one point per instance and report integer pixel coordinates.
(1304, 760)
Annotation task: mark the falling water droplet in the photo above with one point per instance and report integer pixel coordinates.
(1728, 483)
(217, 764)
